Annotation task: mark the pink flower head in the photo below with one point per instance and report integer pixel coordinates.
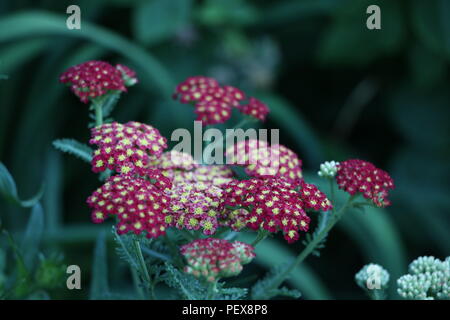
(139, 205)
(361, 176)
(274, 204)
(255, 108)
(214, 175)
(195, 206)
(210, 259)
(93, 79)
(213, 103)
(125, 148)
(260, 159)
(175, 160)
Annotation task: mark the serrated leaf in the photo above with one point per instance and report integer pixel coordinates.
(187, 285)
(33, 236)
(285, 292)
(231, 293)
(9, 190)
(99, 283)
(74, 147)
(262, 289)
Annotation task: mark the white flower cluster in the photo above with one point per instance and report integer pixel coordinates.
(428, 279)
(328, 169)
(372, 276)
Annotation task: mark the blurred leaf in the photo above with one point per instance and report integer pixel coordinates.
(9, 190)
(347, 41)
(74, 147)
(17, 53)
(431, 22)
(34, 23)
(284, 12)
(270, 253)
(33, 236)
(427, 68)
(99, 282)
(287, 117)
(158, 20)
(227, 12)
(53, 195)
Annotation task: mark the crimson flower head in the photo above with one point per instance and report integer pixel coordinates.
(255, 108)
(214, 103)
(195, 206)
(260, 159)
(93, 79)
(273, 204)
(211, 259)
(125, 148)
(139, 205)
(356, 175)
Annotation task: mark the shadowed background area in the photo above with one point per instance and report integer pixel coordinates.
(336, 90)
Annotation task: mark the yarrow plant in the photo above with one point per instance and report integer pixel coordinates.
(184, 214)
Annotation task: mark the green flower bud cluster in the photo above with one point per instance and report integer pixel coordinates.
(372, 276)
(428, 279)
(328, 169)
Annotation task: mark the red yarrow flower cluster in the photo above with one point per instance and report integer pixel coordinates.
(139, 205)
(214, 175)
(195, 206)
(260, 159)
(255, 108)
(211, 259)
(214, 103)
(93, 79)
(274, 204)
(356, 175)
(125, 148)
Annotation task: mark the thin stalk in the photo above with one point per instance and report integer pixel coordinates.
(262, 234)
(311, 245)
(212, 288)
(142, 266)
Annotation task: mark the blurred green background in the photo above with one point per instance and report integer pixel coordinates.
(336, 90)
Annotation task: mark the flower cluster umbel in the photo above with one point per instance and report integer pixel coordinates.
(428, 279)
(148, 190)
(93, 79)
(210, 259)
(214, 103)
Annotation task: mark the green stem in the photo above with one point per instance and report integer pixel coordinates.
(98, 106)
(212, 288)
(311, 245)
(262, 234)
(331, 183)
(175, 252)
(142, 266)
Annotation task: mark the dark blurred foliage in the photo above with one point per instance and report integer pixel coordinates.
(336, 90)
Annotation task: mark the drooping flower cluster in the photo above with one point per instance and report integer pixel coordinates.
(428, 279)
(211, 259)
(139, 205)
(214, 103)
(195, 206)
(273, 204)
(260, 159)
(360, 176)
(93, 79)
(125, 148)
(372, 276)
(255, 108)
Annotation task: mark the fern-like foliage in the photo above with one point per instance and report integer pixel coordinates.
(187, 286)
(124, 249)
(74, 147)
(323, 220)
(230, 293)
(267, 287)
